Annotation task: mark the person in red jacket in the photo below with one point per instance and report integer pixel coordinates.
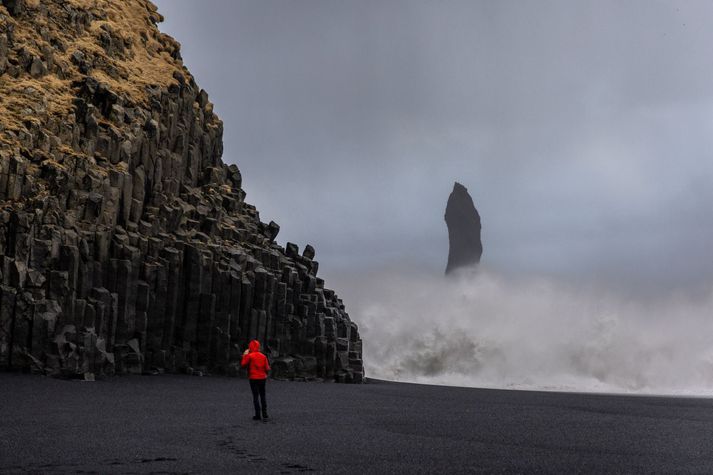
(258, 366)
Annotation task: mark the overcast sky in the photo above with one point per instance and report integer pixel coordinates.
(582, 129)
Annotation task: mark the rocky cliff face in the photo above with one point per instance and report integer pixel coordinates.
(463, 223)
(126, 244)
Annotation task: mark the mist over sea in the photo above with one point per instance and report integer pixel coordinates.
(484, 329)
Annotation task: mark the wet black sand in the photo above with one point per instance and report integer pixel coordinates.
(161, 424)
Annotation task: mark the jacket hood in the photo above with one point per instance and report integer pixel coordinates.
(254, 346)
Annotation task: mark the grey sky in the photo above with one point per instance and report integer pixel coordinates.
(582, 129)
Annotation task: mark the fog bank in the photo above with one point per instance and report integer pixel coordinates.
(487, 330)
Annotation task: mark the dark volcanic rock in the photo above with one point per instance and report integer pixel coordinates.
(463, 223)
(126, 244)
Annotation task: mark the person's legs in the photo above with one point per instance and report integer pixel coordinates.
(255, 388)
(262, 398)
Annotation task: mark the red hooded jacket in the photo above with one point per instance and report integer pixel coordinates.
(256, 362)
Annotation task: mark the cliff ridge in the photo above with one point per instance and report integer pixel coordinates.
(126, 244)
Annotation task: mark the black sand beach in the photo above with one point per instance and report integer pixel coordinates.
(189, 424)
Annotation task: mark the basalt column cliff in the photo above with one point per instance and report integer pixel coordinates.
(125, 242)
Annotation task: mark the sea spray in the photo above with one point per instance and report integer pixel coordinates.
(487, 330)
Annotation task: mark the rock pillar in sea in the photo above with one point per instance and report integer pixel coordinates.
(463, 221)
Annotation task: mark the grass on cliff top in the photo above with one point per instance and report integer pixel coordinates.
(148, 62)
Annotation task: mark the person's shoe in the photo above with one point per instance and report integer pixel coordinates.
(256, 418)
(264, 415)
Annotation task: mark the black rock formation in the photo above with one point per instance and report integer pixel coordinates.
(126, 244)
(463, 221)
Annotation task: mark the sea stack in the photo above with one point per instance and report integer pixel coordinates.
(463, 221)
(126, 243)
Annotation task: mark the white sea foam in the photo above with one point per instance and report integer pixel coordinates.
(485, 330)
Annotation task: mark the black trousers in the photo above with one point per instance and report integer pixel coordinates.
(258, 388)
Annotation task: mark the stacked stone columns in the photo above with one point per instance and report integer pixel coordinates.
(126, 244)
